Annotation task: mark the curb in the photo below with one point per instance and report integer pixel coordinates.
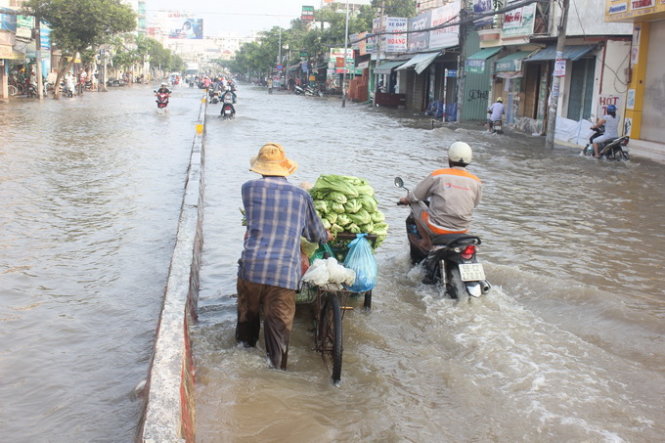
(169, 410)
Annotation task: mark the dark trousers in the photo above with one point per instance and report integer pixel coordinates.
(277, 306)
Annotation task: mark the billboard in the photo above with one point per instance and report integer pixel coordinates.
(183, 26)
(519, 22)
(419, 41)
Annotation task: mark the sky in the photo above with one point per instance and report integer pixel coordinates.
(242, 17)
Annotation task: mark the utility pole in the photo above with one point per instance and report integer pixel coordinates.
(38, 60)
(346, 65)
(378, 36)
(553, 104)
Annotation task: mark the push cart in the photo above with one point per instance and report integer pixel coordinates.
(328, 309)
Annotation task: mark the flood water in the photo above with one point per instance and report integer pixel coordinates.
(568, 345)
(90, 191)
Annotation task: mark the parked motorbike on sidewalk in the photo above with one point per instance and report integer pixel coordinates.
(298, 90)
(313, 90)
(162, 99)
(449, 260)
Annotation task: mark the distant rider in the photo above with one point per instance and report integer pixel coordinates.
(164, 89)
(611, 123)
(495, 112)
(453, 193)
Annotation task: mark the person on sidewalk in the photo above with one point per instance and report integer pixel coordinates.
(278, 213)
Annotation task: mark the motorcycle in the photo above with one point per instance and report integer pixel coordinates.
(66, 90)
(162, 99)
(228, 111)
(298, 90)
(496, 126)
(449, 260)
(615, 149)
(313, 90)
(214, 96)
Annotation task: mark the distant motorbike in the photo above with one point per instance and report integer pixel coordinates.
(162, 99)
(214, 96)
(228, 111)
(66, 90)
(449, 260)
(496, 126)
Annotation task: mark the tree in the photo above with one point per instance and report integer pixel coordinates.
(78, 26)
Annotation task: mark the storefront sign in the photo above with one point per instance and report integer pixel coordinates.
(45, 36)
(451, 73)
(475, 66)
(519, 22)
(448, 36)
(419, 41)
(24, 25)
(7, 38)
(620, 10)
(395, 39)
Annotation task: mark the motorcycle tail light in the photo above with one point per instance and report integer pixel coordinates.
(625, 141)
(468, 252)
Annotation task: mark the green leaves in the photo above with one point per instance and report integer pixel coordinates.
(77, 25)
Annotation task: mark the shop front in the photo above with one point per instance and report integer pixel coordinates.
(645, 102)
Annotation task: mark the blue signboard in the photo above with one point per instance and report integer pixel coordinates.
(7, 22)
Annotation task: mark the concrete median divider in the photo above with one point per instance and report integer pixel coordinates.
(169, 390)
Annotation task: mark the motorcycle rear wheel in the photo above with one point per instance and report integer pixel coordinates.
(455, 286)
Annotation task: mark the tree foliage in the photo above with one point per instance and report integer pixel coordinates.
(78, 25)
(259, 58)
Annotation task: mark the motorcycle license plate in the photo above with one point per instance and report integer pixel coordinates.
(227, 111)
(472, 271)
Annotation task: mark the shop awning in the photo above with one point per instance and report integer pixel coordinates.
(387, 67)
(476, 62)
(420, 62)
(511, 62)
(569, 53)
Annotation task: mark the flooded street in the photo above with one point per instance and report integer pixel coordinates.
(90, 190)
(568, 346)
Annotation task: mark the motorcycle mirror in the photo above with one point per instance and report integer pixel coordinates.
(399, 183)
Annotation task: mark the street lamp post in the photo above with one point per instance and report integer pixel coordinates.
(346, 44)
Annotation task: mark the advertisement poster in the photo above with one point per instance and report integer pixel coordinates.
(24, 25)
(45, 36)
(519, 22)
(448, 36)
(307, 14)
(630, 99)
(559, 65)
(181, 26)
(419, 41)
(479, 7)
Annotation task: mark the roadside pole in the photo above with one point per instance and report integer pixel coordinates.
(556, 77)
(346, 45)
(38, 60)
(377, 36)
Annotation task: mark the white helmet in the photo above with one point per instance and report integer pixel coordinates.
(459, 152)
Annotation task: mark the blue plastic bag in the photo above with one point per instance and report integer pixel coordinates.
(361, 259)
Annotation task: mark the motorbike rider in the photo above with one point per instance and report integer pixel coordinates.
(495, 111)
(611, 123)
(452, 194)
(230, 92)
(164, 89)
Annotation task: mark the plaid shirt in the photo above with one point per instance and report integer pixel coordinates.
(278, 213)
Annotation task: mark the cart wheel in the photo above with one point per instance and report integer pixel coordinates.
(330, 334)
(368, 300)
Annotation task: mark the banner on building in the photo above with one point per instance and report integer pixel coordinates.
(182, 26)
(419, 41)
(446, 36)
(519, 22)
